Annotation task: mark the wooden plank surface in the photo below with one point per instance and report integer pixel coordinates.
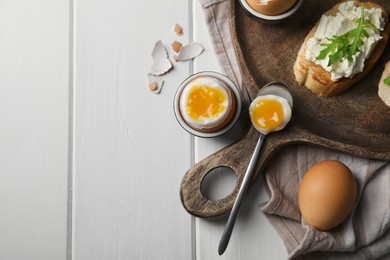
(34, 133)
(121, 144)
(130, 153)
(363, 129)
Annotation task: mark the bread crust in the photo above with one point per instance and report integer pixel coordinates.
(317, 79)
(383, 89)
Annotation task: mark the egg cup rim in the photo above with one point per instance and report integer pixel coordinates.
(282, 16)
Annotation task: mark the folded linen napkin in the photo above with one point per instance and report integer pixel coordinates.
(366, 232)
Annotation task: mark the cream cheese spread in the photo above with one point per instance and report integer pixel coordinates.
(342, 22)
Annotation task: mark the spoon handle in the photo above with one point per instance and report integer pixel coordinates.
(240, 197)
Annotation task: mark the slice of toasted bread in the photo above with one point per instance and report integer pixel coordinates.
(318, 80)
(384, 89)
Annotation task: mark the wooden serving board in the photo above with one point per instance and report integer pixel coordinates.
(356, 122)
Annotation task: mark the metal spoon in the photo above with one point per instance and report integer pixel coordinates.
(273, 88)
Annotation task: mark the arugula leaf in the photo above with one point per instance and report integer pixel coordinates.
(348, 44)
(387, 80)
(357, 42)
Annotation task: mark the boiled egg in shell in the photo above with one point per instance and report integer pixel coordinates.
(327, 194)
(271, 7)
(206, 104)
(269, 113)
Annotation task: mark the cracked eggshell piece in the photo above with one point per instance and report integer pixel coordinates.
(161, 63)
(160, 66)
(190, 51)
(159, 50)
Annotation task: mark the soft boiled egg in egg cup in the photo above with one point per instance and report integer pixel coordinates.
(270, 111)
(207, 104)
(271, 10)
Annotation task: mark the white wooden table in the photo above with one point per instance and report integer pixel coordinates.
(91, 161)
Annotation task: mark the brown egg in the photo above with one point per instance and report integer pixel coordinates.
(271, 7)
(327, 194)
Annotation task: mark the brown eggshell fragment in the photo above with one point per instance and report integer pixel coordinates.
(327, 194)
(176, 46)
(155, 84)
(178, 29)
(152, 86)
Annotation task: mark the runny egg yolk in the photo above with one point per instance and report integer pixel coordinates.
(267, 114)
(205, 102)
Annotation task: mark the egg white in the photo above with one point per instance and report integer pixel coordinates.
(205, 122)
(286, 113)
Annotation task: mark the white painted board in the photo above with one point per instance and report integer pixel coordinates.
(130, 153)
(34, 129)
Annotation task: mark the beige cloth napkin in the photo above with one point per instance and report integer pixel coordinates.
(366, 233)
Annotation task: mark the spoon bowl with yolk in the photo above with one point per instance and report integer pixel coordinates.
(269, 113)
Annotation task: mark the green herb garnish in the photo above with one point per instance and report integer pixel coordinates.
(387, 80)
(346, 45)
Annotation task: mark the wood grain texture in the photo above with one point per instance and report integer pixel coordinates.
(126, 177)
(130, 153)
(235, 157)
(357, 117)
(356, 122)
(34, 130)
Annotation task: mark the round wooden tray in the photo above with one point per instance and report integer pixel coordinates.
(356, 122)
